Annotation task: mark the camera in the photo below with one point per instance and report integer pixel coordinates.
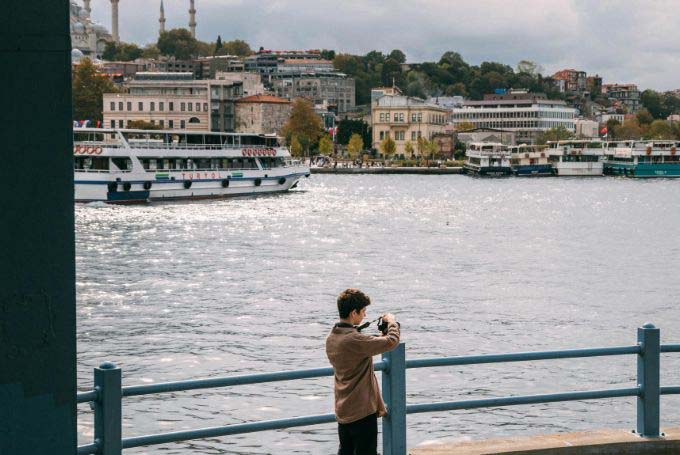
(382, 325)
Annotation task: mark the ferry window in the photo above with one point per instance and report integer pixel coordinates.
(203, 164)
(152, 164)
(129, 105)
(113, 106)
(224, 163)
(171, 106)
(140, 106)
(214, 163)
(145, 164)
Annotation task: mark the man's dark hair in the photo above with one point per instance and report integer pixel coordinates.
(351, 299)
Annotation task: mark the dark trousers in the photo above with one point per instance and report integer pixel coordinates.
(359, 437)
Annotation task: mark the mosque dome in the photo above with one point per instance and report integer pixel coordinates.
(76, 55)
(82, 14)
(99, 28)
(78, 28)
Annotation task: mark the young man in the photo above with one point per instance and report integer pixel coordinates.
(358, 402)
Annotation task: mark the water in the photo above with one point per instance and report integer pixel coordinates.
(207, 289)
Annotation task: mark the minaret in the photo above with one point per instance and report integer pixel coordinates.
(161, 20)
(86, 5)
(192, 19)
(114, 20)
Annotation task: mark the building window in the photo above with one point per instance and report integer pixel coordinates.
(194, 120)
(399, 135)
(161, 106)
(198, 107)
(420, 117)
(382, 135)
(129, 105)
(205, 107)
(171, 124)
(401, 117)
(113, 123)
(140, 106)
(152, 106)
(413, 118)
(120, 123)
(182, 124)
(182, 106)
(396, 117)
(171, 106)
(161, 123)
(113, 106)
(413, 135)
(120, 105)
(191, 106)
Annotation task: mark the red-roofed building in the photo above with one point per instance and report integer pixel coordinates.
(261, 114)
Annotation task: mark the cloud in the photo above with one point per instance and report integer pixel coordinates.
(621, 40)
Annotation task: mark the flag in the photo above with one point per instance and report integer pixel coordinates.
(603, 131)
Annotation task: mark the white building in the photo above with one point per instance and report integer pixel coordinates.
(586, 128)
(525, 114)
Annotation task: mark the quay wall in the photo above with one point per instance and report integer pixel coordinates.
(598, 442)
(388, 170)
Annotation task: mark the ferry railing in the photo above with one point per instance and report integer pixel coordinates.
(106, 398)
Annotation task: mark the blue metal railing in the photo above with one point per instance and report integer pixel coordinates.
(106, 398)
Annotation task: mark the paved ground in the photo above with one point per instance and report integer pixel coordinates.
(598, 442)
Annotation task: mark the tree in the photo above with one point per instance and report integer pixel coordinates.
(529, 67)
(295, 147)
(421, 146)
(327, 54)
(631, 129)
(325, 145)
(355, 146)
(348, 127)
(644, 117)
(388, 147)
(88, 88)
(151, 51)
(218, 43)
(178, 43)
(465, 126)
(660, 129)
(123, 52)
(408, 148)
(653, 102)
(236, 47)
(432, 148)
(303, 123)
(612, 126)
(558, 133)
(397, 56)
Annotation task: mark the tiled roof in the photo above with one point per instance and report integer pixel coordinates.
(263, 99)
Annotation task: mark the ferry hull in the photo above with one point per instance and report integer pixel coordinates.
(586, 169)
(643, 170)
(130, 192)
(488, 171)
(533, 170)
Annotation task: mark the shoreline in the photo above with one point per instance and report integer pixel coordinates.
(387, 170)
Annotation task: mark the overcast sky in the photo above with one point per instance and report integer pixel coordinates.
(623, 41)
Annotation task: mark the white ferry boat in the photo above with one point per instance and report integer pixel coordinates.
(127, 166)
(576, 157)
(643, 159)
(487, 159)
(529, 161)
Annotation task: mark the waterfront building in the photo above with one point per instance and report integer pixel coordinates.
(88, 38)
(335, 90)
(586, 128)
(487, 135)
(404, 118)
(526, 114)
(627, 95)
(266, 62)
(261, 114)
(377, 92)
(174, 101)
(252, 85)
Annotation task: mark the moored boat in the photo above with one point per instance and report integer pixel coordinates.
(642, 159)
(576, 157)
(489, 159)
(529, 161)
(127, 166)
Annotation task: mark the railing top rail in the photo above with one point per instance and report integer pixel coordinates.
(84, 397)
(670, 348)
(522, 356)
(208, 383)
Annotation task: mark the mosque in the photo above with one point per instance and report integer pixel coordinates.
(89, 38)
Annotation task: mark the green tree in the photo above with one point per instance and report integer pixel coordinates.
(327, 54)
(325, 145)
(303, 123)
(612, 126)
(398, 56)
(558, 133)
(218, 43)
(151, 51)
(388, 147)
(123, 52)
(235, 47)
(355, 146)
(432, 148)
(644, 117)
(177, 43)
(295, 146)
(654, 103)
(408, 149)
(660, 129)
(421, 146)
(348, 127)
(88, 88)
(631, 129)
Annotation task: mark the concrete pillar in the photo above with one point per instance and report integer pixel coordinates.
(114, 20)
(37, 258)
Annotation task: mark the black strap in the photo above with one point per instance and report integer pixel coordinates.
(344, 325)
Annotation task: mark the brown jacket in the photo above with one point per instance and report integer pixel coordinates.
(356, 388)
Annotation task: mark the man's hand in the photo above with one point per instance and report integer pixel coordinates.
(389, 318)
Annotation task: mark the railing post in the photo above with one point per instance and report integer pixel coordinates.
(107, 409)
(394, 395)
(648, 381)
